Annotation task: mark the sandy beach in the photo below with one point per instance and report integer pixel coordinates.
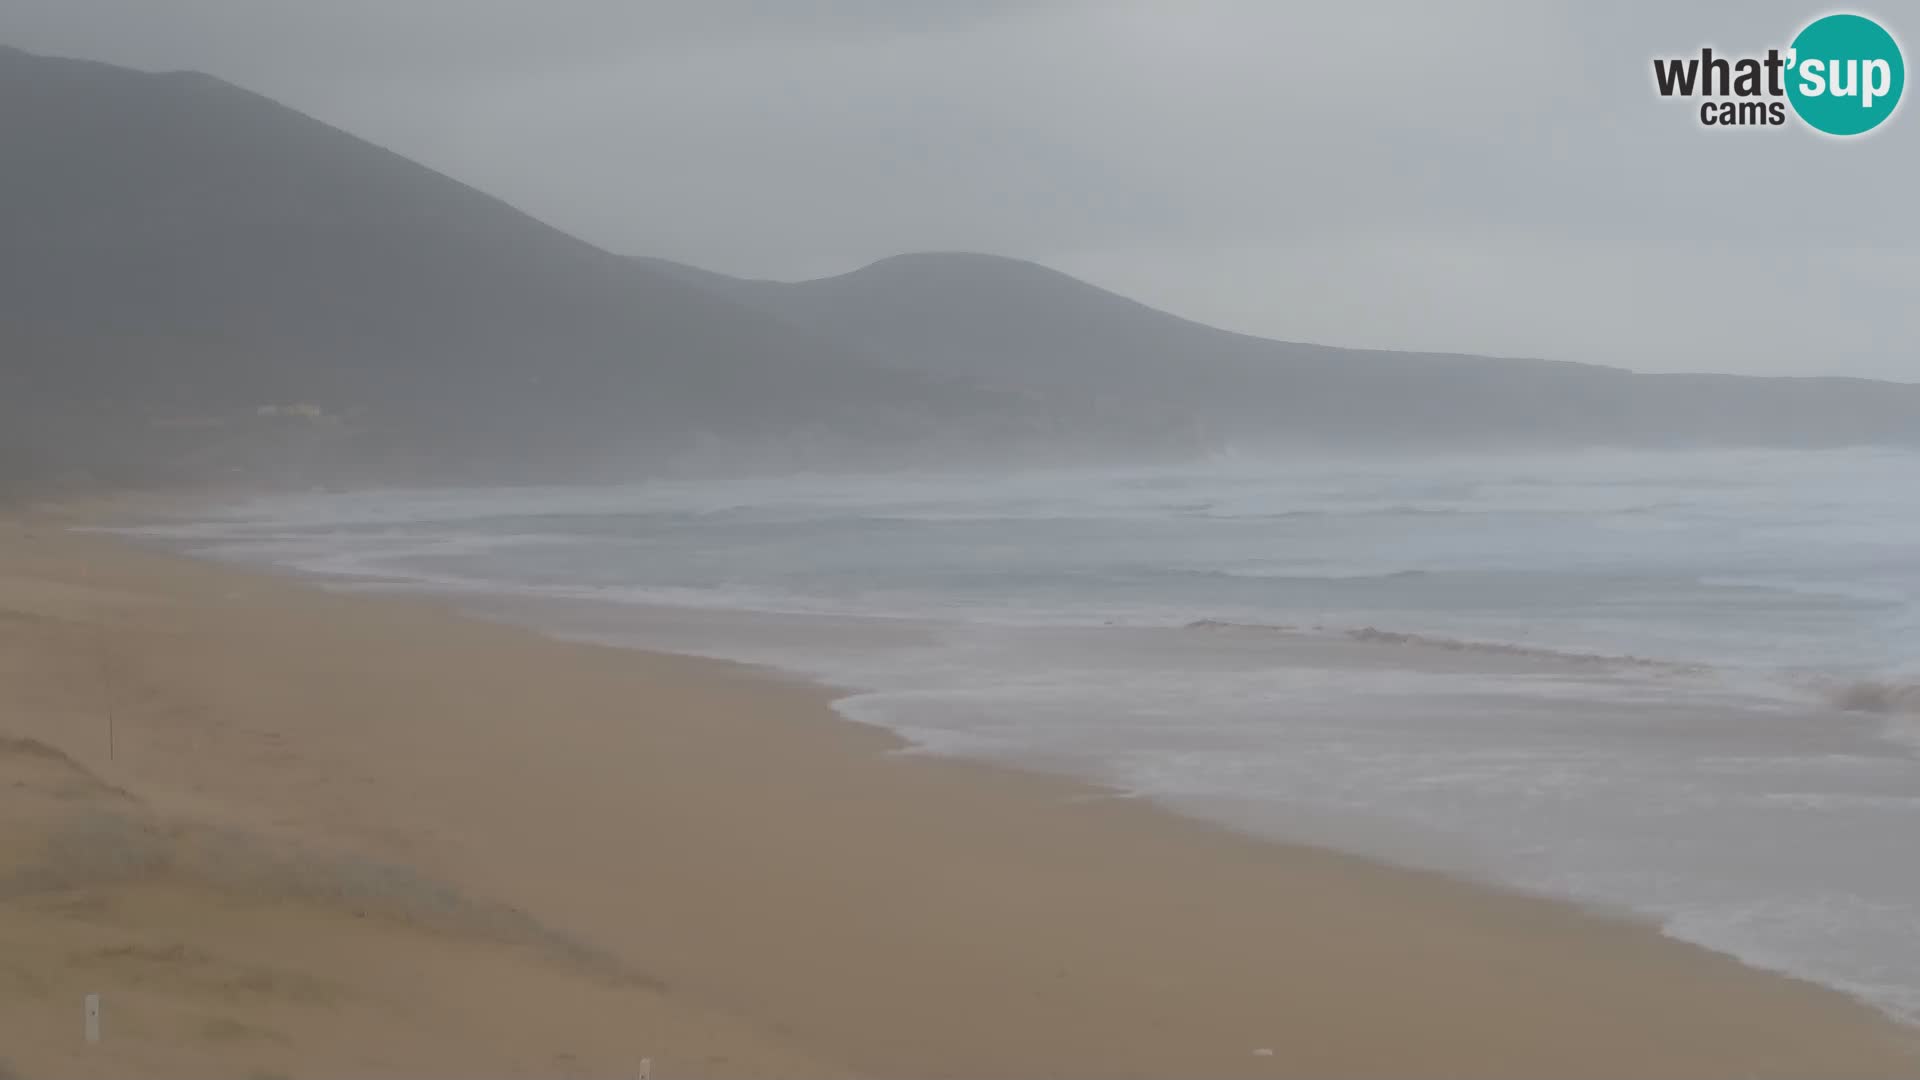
(288, 832)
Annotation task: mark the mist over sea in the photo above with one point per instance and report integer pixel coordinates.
(1682, 685)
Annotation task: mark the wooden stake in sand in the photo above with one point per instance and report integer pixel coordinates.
(93, 1017)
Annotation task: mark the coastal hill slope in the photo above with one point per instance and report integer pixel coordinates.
(1022, 324)
(186, 262)
(199, 283)
(1012, 318)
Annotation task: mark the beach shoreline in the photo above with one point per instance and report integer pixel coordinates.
(712, 847)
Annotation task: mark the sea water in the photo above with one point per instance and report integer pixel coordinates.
(1680, 685)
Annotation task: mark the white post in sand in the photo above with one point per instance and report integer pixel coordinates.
(646, 1069)
(93, 1018)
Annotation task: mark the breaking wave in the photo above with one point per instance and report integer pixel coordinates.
(1886, 697)
(1371, 635)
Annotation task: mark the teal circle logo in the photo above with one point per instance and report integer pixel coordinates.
(1845, 74)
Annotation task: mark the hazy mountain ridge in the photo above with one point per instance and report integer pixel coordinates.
(189, 264)
(196, 280)
(1024, 324)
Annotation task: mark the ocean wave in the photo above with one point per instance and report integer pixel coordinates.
(1889, 595)
(1229, 624)
(1283, 575)
(1371, 635)
(1883, 696)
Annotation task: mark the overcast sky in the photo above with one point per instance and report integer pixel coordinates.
(1489, 177)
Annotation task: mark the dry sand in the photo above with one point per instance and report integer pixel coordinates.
(342, 835)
